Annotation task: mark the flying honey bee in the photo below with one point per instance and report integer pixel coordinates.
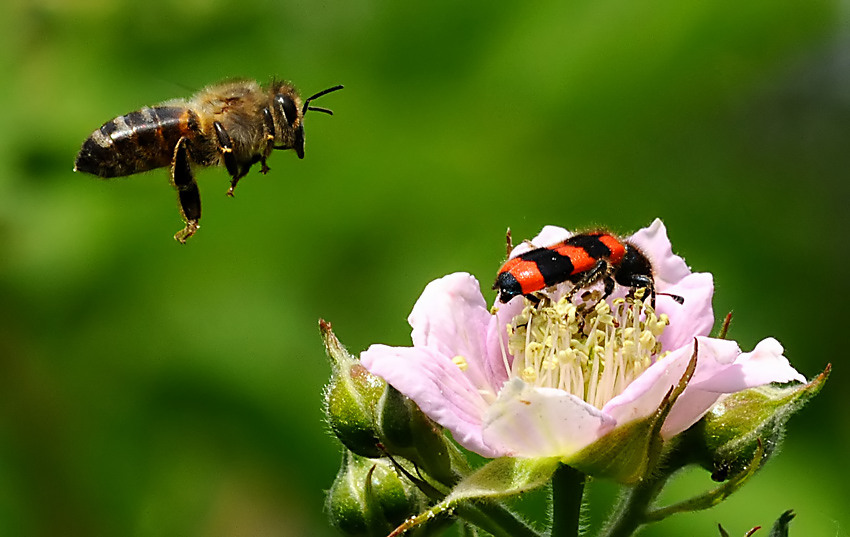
(235, 123)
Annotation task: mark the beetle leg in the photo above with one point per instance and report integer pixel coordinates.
(642, 281)
(601, 270)
(188, 194)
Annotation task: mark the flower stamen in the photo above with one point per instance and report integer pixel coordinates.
(591, 353)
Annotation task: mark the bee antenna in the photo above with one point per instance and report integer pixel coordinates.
(320, 109)
(316, 96)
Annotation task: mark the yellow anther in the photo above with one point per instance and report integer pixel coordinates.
(593, 353)
(460, 362)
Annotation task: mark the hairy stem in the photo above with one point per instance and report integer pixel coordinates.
(567, 494)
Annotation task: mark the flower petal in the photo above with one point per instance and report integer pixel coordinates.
(452, 317)
(542, 422)
(437, 385)
(548, 236)
(694, 317)
(763, 365)
(714, 355)
(667, 267)
(644, 395)
(721, 369)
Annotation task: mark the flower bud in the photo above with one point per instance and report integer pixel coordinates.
(351, 399)
(406, 431)
(373, 419)
(740, 425)
(369, 499)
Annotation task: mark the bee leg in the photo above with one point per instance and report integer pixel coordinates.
(187, 191)
(269, 134)
(225, 145)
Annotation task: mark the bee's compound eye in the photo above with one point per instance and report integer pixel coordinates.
(290, 111)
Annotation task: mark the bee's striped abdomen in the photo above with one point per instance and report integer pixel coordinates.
(137, 142)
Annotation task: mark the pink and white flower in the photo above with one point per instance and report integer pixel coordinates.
(549, 381)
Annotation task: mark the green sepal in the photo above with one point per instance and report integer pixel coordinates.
(633, 450)
(475, 498)
(623, 454)
(780, 527)
(351, 398)
(711, 497)
(726, 439)
(505, 476)
(407, 432)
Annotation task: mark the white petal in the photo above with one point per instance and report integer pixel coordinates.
(722, 368)
(452, 317)
(548, 236)
(667, 267)
(438, 386)
(763, 365)
(644, 395)
(693, 318)
(542, 422)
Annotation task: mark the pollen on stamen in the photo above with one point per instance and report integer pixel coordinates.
(590, 352)
(460, 362)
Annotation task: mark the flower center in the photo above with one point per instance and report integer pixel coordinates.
(593, 354)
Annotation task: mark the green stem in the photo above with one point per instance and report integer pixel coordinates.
(634, 504)
(567, 494)
(496, 519)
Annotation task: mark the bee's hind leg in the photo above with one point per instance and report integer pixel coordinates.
(188, 194)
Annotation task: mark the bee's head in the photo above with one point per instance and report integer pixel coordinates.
(289, 114)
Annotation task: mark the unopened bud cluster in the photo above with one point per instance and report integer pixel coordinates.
(387, 439)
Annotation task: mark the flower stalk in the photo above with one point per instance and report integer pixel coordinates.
(567, 501)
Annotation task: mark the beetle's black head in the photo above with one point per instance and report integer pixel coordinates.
(508, 287)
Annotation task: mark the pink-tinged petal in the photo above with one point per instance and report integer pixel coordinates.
(548, 236)
(643, 396)
(437, 385)
(667, 267)
(695, 317)
(721, 369)
(714, 356)
(452, 317)
(542, 422)
(499, 366)
(689, 408)
(763, 365)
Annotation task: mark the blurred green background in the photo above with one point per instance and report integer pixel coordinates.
(153, 389)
